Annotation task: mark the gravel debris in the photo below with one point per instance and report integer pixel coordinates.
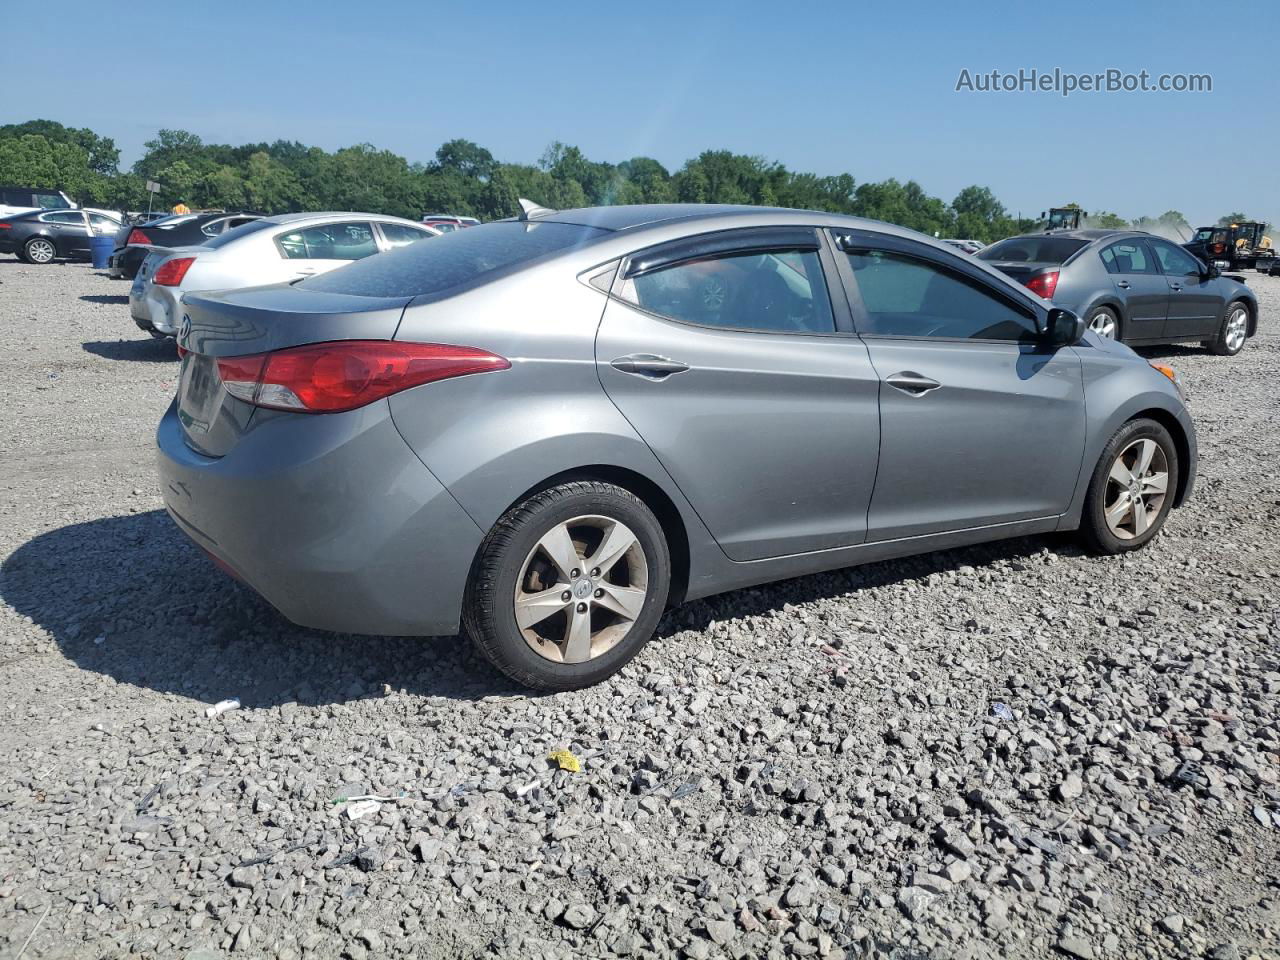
(1003, 751)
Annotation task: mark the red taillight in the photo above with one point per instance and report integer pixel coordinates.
(171, 272)
(345, 374)
(182, 351)
(136, 236)
(1044, 284)
(6, 226)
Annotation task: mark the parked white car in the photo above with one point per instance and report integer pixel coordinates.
(271, 250)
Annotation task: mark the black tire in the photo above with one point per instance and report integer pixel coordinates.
(1115, 320)
(1220, 345)
(488, 612)
(1094, 529)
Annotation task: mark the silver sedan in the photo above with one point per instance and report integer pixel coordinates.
(271, 250)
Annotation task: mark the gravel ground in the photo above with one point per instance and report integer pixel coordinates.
(996, 752)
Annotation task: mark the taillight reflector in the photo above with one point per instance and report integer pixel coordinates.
(137, 237)
(171, 272)
(1044, 284)
(346, 374)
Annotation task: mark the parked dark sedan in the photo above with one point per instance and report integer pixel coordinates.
(134, 242)
(43, 236)
(1132, 286)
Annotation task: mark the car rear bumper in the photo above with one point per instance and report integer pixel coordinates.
(155, 308)
(332, 519)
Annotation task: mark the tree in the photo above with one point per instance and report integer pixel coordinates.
(1107, 221)
(32, 160)
(466, 159)
(1231, 218)
(103, 157)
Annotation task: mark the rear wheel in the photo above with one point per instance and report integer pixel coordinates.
(1132, 488)
(39, 250)
(1105, 323)
(1233, 332)
(568, 585)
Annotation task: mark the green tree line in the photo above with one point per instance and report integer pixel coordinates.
(463, 178)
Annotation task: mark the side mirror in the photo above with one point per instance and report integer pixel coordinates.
(1212, 271)
(1063, 328)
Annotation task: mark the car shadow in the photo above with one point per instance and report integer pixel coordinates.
(105, 298)
(151, 350)
(131, 598)
(1171, 350)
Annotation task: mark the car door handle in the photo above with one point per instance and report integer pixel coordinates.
(1122, 284)
(307, 272)
(1175, 287)
(649, 366)
(908, 381)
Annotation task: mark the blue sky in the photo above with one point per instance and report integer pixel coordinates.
(864, 88)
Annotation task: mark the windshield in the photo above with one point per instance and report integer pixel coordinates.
(1032, 249)
(454, 259)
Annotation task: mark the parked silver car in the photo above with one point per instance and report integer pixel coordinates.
(549, 429)
(270, 250)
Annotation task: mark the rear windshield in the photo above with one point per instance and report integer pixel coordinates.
(1032, 249)
(455, 259)
(235, 233)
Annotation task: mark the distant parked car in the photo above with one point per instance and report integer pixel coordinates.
(19, 200)
(447, 222)
(1132, 286)
(268, 250)
(968, 246)
(134, 242)
(44, 236)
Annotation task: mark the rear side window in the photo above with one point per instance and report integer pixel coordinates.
(330, 241)
(907, 297)
(398, 235)
(455, 259)
(1128, 256)
(235, 233)
(17, 198)
(780, 291)
(1032, 250)
(76, 218)
(51, 201)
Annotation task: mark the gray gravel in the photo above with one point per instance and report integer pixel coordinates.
(997, 752)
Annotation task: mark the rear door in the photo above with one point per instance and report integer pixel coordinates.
(1194, 304)
(729, 357)
(981, 423)
(308, 251)
(1141, 286)
(67, 230)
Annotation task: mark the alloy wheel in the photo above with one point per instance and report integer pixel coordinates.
(581, 589)
(1237, 328)
(40, 251)
(1137, 487)
(1103, 324)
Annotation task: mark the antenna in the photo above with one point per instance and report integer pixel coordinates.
(529, 209)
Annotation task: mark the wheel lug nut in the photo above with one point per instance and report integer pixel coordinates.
(582, 608)
(575, 573)
(595, 572)
(599, 593)
(566, 596)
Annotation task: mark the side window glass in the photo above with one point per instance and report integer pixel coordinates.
(907, 297)
(1109, 260)
(104, 226)
(1176, 262)
(1131, 257)
(398, 235)
(213, 228)
(331, 241)
(782, 291)
(69, 218)
(50, 201)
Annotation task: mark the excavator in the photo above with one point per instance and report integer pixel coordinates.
(1237, 245)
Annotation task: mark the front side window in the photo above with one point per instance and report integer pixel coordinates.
(1129, 256)
(780, 291)
(908, 297)
(331, 241)
(51, 201)
(1175, 261)
(398, 235)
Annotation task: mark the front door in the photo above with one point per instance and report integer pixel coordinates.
(1194, 304)
(723, 352)
(981, 423)
(1141, 286)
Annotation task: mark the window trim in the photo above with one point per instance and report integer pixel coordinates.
(944, 260)
(739, 241)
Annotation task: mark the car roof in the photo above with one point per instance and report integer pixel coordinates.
(1088, 235)
(284, 218)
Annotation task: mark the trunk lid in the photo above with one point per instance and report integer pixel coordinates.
(257, 320)
(1022, 270)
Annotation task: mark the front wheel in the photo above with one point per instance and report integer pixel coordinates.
(1233, 332)
(568, 585)
(1132, 488)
